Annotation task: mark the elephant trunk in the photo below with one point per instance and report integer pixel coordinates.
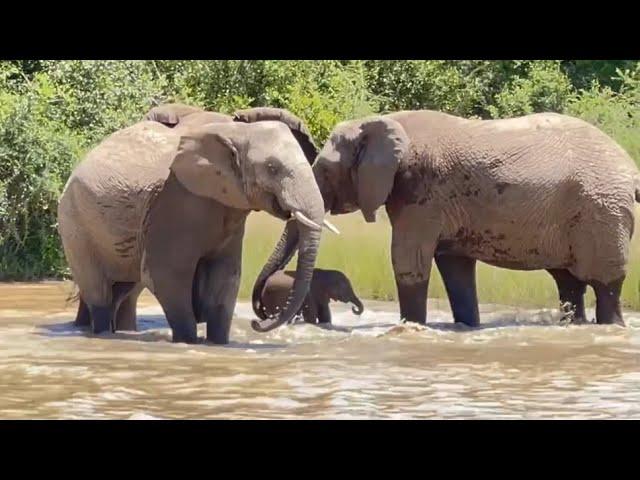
(309, 243)
(303, 201)
(358, 308)
(280, 257)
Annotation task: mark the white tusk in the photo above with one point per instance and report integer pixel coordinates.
(306, 221)
(330, 226)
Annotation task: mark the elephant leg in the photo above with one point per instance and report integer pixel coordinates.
(310, 311)
(412, 260)
(459, 278)
(172, 286)
(126, 315)
(96, 294)
(217, 291)
(103, 317)
(324, 313)
(608, 310)
(571, 291)
(83, 317)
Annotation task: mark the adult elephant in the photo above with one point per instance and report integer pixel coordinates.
(178, 116)
(151, 207)
(543, 191)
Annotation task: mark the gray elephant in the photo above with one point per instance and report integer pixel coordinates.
(543, 191)
(164, 209)
(326, 285)
(178, 116)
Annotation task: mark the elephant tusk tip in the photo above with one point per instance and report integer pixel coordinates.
(331, 226)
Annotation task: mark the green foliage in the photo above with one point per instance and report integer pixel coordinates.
(36, 156)
(616, 113)
(544, 87)
(321, 93)
(95, 98)
(424, 84)
(605, 72)
(53, 111)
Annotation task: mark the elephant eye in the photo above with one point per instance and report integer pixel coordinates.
(272, 167)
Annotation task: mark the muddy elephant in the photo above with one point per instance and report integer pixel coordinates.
(326, 285)
(155, 207)
(543, 191)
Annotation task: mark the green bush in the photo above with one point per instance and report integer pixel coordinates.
(424, 84)
(321, 93)
(615, 113)
(36, 157)
(545, 88)
(96, 98)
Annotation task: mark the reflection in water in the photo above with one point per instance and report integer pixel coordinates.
(519, 364)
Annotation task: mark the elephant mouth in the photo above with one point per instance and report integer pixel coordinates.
(277, 210)
(343, 209)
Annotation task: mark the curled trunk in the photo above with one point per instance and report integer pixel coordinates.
(358, 308)
(281, 255)
(309, 243)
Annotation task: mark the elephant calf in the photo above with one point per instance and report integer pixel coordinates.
(326, 285)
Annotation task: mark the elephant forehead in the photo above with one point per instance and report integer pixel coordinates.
(277, 142)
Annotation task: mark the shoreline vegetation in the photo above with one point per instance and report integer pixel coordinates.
(52, 112)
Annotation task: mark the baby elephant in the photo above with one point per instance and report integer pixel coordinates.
(326, 285)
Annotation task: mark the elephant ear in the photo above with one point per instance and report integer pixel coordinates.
(170, 114)
(208, 164)
(381, 146)
(297, 126)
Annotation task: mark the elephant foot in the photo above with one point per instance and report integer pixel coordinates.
(83, 317)
(185, 334)
(458, 276)
(413, 302)
(101, 319)
(608, 308)
(217, 333)
(579, 321)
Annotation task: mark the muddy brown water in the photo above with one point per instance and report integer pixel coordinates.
(519, 364)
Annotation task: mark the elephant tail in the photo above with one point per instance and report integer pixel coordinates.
(74, 295)
(636, 187)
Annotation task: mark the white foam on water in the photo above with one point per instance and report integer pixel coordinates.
(517, 364)
(143, 416)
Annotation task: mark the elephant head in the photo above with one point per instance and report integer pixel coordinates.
(356, 167)
(257, 167)
(171, 114)
(355, 170)
(297, 126)
(286, 247)
(339, 289)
